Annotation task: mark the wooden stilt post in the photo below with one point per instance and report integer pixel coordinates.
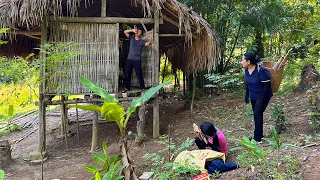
(95, 121)
(78, 126)
(95, 132)
(64, 121)
(156, 56)
(40, 153)
(62, 127)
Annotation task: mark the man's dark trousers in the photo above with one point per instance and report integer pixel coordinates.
(136, 65)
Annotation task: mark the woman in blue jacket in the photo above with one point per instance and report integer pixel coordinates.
(258, 89)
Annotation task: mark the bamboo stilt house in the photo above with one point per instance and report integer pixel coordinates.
(97, 27)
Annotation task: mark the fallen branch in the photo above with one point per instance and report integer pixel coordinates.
(310, 145)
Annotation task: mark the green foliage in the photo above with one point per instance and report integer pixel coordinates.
(173, 147)
(111, 110)
(10, 67)
(278, 116)
(230, 79)
(110, 169)
(20, 89)
(165, 170)
(8, 127)
(254, 155)
(1, 174)
(315, 120)
(57, 62)
(248, 112)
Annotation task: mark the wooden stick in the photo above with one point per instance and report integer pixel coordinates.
(172, 35)
(310, 145)
(285, 59)
(78, 126)
(91, 100)
(64, 122)
(156, 58)
(104, 20)
(42, 106)
(144, 27)
(169, 143)
(103, 8)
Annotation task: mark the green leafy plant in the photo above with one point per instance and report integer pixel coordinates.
(1, 174)
(254, 155)
(248, 115)
(164, 169)
(110, 169)
(112, 111)
(278, 117)
(315, 120)
(219, 81)
(57, 63)
(10, 67)
(8, 127)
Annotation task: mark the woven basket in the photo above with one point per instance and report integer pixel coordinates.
(276, 75)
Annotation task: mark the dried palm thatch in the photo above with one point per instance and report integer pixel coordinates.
(198, 50)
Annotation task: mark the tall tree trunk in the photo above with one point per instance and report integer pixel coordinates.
(260, 48)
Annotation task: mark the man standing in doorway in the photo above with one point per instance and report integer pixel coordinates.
(134, 56)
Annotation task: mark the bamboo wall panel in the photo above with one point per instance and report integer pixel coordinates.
(98, 61)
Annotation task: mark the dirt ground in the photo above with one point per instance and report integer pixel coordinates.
(226, 111)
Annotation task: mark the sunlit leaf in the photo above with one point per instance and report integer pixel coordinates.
(97, 158)
(275, 135)
(97, 176)
(1, 174)
(139, 101)
(91, 169)
(104, 148)
(239, 148)
(10, 111)
(106, 97)
(92, 107)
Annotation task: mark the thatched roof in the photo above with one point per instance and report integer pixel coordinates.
(198, 50)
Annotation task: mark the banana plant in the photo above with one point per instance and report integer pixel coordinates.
(111, 110)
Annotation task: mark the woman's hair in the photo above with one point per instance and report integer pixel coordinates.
(208, 129)
(252, 57)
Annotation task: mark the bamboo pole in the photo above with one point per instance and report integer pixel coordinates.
(64, 121)
(172, 35)
(42, 106)
(78, 127)
(103, 8)
(156, 131)
(104, 20)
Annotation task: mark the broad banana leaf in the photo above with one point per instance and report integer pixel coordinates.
(113, 112)
(139, 101)
(91, 107)
(106, 97)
